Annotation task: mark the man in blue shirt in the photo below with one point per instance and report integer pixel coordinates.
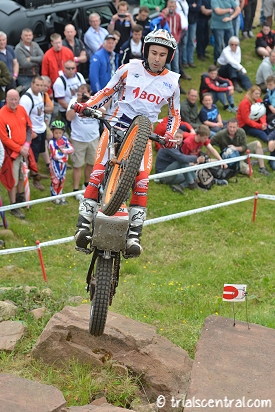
(95, 35)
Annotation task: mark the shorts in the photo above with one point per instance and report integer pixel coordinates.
(252, 147)
(17, 169)
(84, 152)
(38, 144)
(268, 8)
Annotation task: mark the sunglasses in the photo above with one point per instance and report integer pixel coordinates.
(69, 68)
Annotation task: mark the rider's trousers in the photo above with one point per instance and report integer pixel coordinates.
(139, 191)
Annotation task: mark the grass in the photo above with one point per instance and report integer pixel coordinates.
(175, 284)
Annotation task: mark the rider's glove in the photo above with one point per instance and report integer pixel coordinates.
(168, 144)
(79, 107)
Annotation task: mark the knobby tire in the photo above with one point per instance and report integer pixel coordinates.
(132, 150)
(100, 302)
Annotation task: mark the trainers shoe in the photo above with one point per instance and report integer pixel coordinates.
(192, 186)
(192, 65)
(37, 184)
(221, 182)
(79, 197)
(177, 188)
(17, 213)
(56, 201)
(232, 109)
(245, 35)
(63, 201)
(263, 171)
(237, 87)
(250, 34)
(184, 75)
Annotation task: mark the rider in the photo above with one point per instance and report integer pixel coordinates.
(141, 88)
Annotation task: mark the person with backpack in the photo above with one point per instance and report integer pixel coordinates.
(33, 102)
(234, 137)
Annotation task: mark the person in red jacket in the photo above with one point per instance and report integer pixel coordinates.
(252, 124)
(160, 129)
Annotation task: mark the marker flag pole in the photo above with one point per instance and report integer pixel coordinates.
(41, 260)
(255, 206)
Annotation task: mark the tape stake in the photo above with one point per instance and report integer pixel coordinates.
(41, 260)
(255, 206)
(249, 163)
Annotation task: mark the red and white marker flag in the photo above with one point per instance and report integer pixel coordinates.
(234, 293)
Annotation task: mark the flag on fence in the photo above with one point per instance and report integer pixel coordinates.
(234, 293)
(25, 171)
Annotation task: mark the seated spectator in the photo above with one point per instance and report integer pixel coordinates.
(235, 137)
(265, 69)
(231, 67)
(265, 41)
(95, 35)
(102, 64)
(209, 114)
(123, 22)
(173, 159)
(132, 48)
(189, 110)
(269, 100)
(142, 18)
(161, 126)
(218, 87)
(77, 47)
(255, 126)
(271, 148)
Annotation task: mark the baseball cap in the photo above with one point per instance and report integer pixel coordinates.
(110, 36)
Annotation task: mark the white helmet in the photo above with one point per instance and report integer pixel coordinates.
(163, 38)
(257, 110)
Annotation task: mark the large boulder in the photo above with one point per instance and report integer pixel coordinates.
(165, 368)
(10, 333)
(7, 310)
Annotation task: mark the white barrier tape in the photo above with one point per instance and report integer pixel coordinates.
(269, 197)
(42, 244)
(258, 156)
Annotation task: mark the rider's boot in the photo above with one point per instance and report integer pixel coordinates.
(85, 223)
(137, 216)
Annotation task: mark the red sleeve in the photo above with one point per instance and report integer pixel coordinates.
(243, 115)
(212, 86)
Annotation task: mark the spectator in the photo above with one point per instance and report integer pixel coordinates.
(235, 137)
(189, 109)
(84, 138)
(66, 86)
(256, 126)
(266, 68)
(95, 35)
(15, 133)
(5, 79)
(265, 41)
(102, 64)
(189, 39)
(173, 159)
(269, 100)
(271, 148)
(77, 47)
(231, 68)
(202, 33)
(132, 48)
(8, 56)
(60, 148)
(249, 14)
(54, 58)
(236, 22)
(223, 12)
(219, 88)
(33, 103)
(48, 104)
(123, 22)
(161, 126)
(209, 114)
(29, 56)
(156, 5)
(268, 11)
(182, 9)
(142, 18)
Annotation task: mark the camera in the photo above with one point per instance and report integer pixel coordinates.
(122, 16)
(85, 97)
(206, 158)
(171, 11)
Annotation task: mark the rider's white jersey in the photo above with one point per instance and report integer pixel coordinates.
(140, 92)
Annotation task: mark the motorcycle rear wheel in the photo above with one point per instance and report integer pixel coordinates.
(132, 150)
(100, 302)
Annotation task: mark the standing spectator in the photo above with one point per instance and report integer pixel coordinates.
(265, 41)
(182, 10)
(48, 110)
(156, 5)
(189, 110)
(268, 11)
(231, 67)
(219, 87)
(102, 64)
(209, 114)
(223, 12)
(76, 46)
(142, 18)
(266, 68)
(95, 35)
(60, 148)
(29, 56)
(236, 22)
(66, 86)
(202, 33)
(8, 56)
(132, 48)
(84, 138)
(189, 40)
(123, 22)
(253, 126)
(15, 133)
(54, 58)
(249, 13)
(5, 79)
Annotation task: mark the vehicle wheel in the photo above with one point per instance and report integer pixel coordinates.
(132, 150)
(100, 302)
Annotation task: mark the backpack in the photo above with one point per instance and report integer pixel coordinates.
(222, 174)
(205, 179)
(64, 81)
(229, 153)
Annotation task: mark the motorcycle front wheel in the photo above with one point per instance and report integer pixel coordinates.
(120, 180)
